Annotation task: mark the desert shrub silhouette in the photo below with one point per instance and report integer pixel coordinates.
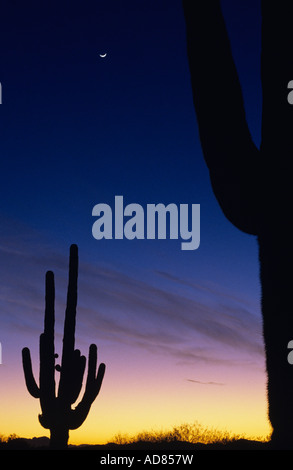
(57, 414)
(186, 433)
(252, 185)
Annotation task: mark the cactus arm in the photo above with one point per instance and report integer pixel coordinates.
(47, 380)
(69, 327)
(215, 82)
(28, 374)
(70, 313)
(94, 382)
(47, 353)
(93, 385)
(230, 154)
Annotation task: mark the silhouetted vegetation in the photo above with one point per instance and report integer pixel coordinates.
(194, 433)
(252, 185)
(14, 442)
(186, 436)
(57, 414)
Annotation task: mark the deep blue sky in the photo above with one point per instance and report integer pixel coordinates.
(78, 130)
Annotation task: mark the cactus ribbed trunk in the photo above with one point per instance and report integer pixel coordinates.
(59, 438)
(278, 331)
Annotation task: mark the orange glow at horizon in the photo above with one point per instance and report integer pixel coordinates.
(147, 393)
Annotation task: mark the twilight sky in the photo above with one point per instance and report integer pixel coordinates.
(180, 331)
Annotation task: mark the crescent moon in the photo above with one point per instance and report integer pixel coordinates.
(103, 55)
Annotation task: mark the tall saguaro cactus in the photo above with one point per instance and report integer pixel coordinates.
(253, 185)
(57, 414)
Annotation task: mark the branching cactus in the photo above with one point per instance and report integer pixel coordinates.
(57, 413)
(253, 185)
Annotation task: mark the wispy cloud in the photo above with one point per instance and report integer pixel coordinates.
(204, 383)
(193, 325)
(164, 320)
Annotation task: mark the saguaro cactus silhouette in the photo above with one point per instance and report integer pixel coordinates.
(57, 414)
(253, 186)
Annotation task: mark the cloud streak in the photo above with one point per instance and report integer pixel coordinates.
(204, 383)
(164, 320)
(200, 323)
